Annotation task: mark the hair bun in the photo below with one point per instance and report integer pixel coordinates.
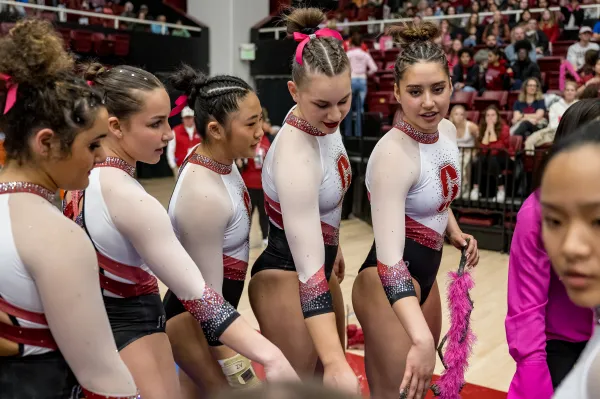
(93, 71)
(304, 20)
(406, 34)
(33, 53)
(188, 80)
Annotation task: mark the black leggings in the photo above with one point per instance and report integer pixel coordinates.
(561, 356)
(525, 129)
(257, 198)
(488, 168)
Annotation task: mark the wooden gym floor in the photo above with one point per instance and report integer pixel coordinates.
(490, 366)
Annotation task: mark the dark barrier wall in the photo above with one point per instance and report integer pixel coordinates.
(273, 57)
(275, 97)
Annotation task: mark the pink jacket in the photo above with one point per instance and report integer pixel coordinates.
(538, 307)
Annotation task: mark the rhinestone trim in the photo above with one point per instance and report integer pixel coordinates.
(114, 162)
(315, 297)
(211, 164)
(26, 187)
(423, 138)
(303, 125)
(396, 280)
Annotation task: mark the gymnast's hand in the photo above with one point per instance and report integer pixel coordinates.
(279, 369)
(339, 266)
(420, 363)
(459, 240)
(339, 375)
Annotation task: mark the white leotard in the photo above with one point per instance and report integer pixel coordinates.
(17, 286)
(336, 178)
(438, 183)
(236, 238)
(105, 236)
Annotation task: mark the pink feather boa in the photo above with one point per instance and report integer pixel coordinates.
(460, 337)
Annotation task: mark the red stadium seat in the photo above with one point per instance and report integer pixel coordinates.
(487, 98)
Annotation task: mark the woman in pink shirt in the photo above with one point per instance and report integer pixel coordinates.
(545, 331)
(362, 65)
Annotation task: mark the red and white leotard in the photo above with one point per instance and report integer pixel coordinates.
(18, 293)
(336, 178)
(437, 185)
(236, 247)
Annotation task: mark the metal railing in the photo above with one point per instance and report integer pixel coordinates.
(117, 19)
(383, 22)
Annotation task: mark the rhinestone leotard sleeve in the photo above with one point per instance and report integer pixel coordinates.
(396, 280)
(315, 297)
(213, 313)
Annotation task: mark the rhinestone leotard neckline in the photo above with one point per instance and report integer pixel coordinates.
(119, 164)
(303, 125)
(211, 164)
(423, 138)
(26, 187)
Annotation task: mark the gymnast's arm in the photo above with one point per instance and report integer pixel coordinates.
(146, 224)
(393, 171)
(297, 176)
(62, 261)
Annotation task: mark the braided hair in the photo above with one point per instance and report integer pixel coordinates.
(49, 95)
(211, 98)
(417, 46)
(324, 55)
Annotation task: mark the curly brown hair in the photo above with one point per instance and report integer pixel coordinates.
(324, 55)
(49, 94)
(417, 45)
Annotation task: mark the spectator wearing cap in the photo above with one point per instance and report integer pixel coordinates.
(576, 52)
(523, 68)
(186, 138)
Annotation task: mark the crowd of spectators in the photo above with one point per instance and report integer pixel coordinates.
(107, 7)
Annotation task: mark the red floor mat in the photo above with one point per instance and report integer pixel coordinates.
(357, 363)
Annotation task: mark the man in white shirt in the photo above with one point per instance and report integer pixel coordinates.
(576, 52)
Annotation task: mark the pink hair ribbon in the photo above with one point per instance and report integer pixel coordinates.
(304, 39)
(90, 83)
(11, 95)
(180, 104)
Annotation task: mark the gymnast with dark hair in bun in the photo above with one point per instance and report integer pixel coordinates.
(412, 177)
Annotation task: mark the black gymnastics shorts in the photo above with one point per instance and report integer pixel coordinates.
(423, 264)
(278, 255)
(46, 376)
(135, 317)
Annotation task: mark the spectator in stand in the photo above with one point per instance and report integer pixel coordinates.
(491, 43)
(546, 332)
(141, 27)
(593, 13)
(572, 13)
(158, 28)
(525, 17)
(498, 28)
(549, 26)
(186, 138)
(144, 9)
(529, 109)
(557, 109)
(466, 139)
(538, 39)
(362, 65)
(356, 36)
(446, 33)
(128, 11)
(497, 75)
(523, 68)
(493, 155)
(588, 70)
(591, 79)
(596, 31)
(251, 173)
(517, 35)
(473, 21)
(471, 40)
(180, 31)
(452, 54)
(592, 91)
(576, 52)
(465, 75)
